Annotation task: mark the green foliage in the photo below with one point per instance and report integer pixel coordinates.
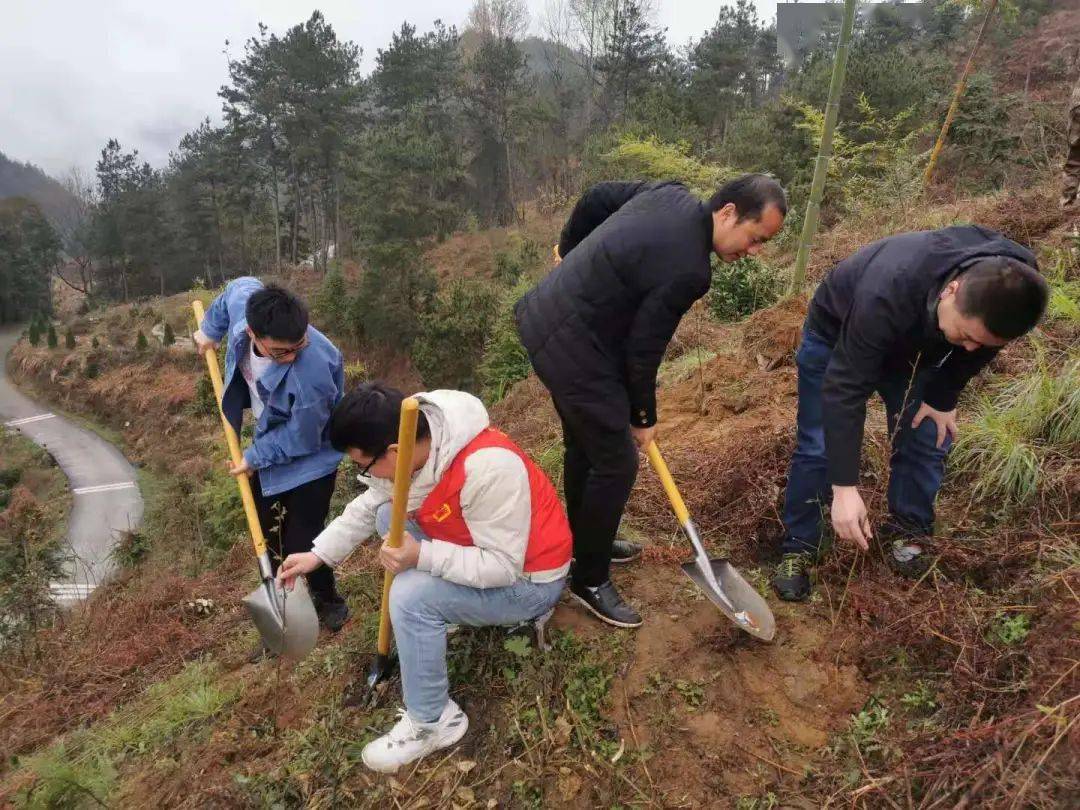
(221, 511)
(1018, 431)
(82, 772)
(505, 360)
(980, 132)
(1009, 630)
(167, 336)
(332, 303)
(867, 726)
(131, 548)
(140, 341)
(69, 339)
(51, 340)
(29, 250)
(519, 259)
(91, 370)
(95, 343)
(395, 291)
(452, 335)
(742, 287)
(204, 403)
(355, 373)
(649, 159)
(34, 334)
(921, 700)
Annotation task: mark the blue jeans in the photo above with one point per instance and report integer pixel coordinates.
(421, 606)
(917, 464)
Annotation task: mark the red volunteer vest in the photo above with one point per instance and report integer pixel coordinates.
(550, 541)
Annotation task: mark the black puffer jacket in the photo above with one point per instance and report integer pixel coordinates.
(879, 308)
(635, 258)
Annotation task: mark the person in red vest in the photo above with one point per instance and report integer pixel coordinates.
(487, 543)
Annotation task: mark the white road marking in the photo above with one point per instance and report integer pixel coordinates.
(28, 419)
(104, 488)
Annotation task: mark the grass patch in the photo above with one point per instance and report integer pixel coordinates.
(82, 771)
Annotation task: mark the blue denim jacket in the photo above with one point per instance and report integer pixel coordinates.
(291, 445)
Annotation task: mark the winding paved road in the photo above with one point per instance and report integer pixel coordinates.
(106, 498)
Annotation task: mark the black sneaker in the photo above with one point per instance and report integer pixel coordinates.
(606, 604)
(332, 615)
(623, 551)
(792, 578)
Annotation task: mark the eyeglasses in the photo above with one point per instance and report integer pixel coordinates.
(365, 471)
(279, 354)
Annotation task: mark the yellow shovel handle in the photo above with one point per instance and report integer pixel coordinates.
(658, 464)
(242, 481)
(410, 411)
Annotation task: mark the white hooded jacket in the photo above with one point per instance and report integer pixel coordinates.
(495, 503)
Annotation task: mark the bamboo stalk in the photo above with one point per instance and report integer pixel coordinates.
(821, 168)
(961, 86)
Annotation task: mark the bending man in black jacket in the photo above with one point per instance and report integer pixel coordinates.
(635, 256)
(913, 317)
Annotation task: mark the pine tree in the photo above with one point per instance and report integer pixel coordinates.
(69, 339)
(140, 341)
(94, 342)
(51, 339)
(35, 332)
(168, 338)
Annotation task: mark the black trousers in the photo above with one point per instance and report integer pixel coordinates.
(291, 521)
(600, 465)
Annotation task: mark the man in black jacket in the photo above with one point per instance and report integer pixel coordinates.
(635, 257)
(913, 317)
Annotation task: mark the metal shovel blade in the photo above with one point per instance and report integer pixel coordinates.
(286, 620)
(751, 612)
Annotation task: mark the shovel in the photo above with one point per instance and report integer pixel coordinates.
(718, 578)
(383, 665)
(288, 625)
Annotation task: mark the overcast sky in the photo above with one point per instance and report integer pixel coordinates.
(77, 72)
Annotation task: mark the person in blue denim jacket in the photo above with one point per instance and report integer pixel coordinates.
(291, 377)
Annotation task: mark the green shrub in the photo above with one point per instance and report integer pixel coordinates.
(9, 477)
(222, 511)
(95, 343)
(742, 287)
(69, 339)
(167, 336)
(650, 159)
(51, 337)
(452, 336)
(332, 302)
(140, 341)
(1009, 630)
(131, 548)
(505, 361)
(204, 403)
(34, 334)
(91, 370)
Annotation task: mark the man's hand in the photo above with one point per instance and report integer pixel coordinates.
(849, 518)
(240, 469)
(294, 565)
(555, 253)
(203, 344)
(643, 436)
(945, 421)
(396, 560)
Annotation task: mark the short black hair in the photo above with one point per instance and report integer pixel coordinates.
(1008, 296)
(751, 194)
(367, 419)
(276, 313)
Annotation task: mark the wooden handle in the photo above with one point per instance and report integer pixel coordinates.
(410, 412)
(257, 538)
(677, 503)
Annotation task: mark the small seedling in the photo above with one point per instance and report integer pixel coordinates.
(1010, 630)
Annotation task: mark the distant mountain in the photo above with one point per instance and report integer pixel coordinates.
(27, 180)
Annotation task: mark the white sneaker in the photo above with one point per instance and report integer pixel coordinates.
(408, 741)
